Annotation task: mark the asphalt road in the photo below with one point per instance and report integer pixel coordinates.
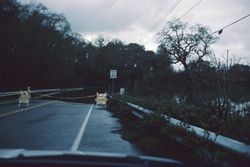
(57, 125)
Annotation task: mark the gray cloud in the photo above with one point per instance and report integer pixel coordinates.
(104, 15)
(128, 19)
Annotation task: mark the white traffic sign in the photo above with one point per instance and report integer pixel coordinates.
(113, 74)
(122, 91)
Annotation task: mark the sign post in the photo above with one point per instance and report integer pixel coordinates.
(113, 76)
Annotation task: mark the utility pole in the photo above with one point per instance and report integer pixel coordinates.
(227, 75)
(227, 58)
(113, 85)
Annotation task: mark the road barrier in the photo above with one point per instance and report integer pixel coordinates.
(67, 98)
(24, 98)
(101, 99)
(4, 94)
(223, 141)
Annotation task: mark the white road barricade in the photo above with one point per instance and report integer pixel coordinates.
(101, 98)
(24, 97)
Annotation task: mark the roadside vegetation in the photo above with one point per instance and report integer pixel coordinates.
(155, 136)
(235, 126)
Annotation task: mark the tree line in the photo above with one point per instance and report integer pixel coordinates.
(39, 49)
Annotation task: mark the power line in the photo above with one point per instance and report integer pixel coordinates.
(181, 16)
(157, 23)
(220, 30)
(175, 21)
(158, 19)
(171, 9)
(184, 13)
(189, 10)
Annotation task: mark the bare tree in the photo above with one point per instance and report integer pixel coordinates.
(185, 43)
(223, 86)
(100, 41)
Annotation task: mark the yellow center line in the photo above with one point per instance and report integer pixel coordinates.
(25, 109)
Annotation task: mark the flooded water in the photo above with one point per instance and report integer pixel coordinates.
(240, 108)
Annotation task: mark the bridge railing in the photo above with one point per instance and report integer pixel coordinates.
(4, 94)
(218, 139)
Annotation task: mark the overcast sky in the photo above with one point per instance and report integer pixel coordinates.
(127, 20)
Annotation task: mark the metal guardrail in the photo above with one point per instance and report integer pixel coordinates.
(143, 110)
(45, 90)
(4, 94)
(223, 141)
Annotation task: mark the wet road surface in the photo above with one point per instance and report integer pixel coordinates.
(57, 125)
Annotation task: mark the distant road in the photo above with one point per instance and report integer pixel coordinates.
(57, 125)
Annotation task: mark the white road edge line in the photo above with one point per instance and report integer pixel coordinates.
(81, 131)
